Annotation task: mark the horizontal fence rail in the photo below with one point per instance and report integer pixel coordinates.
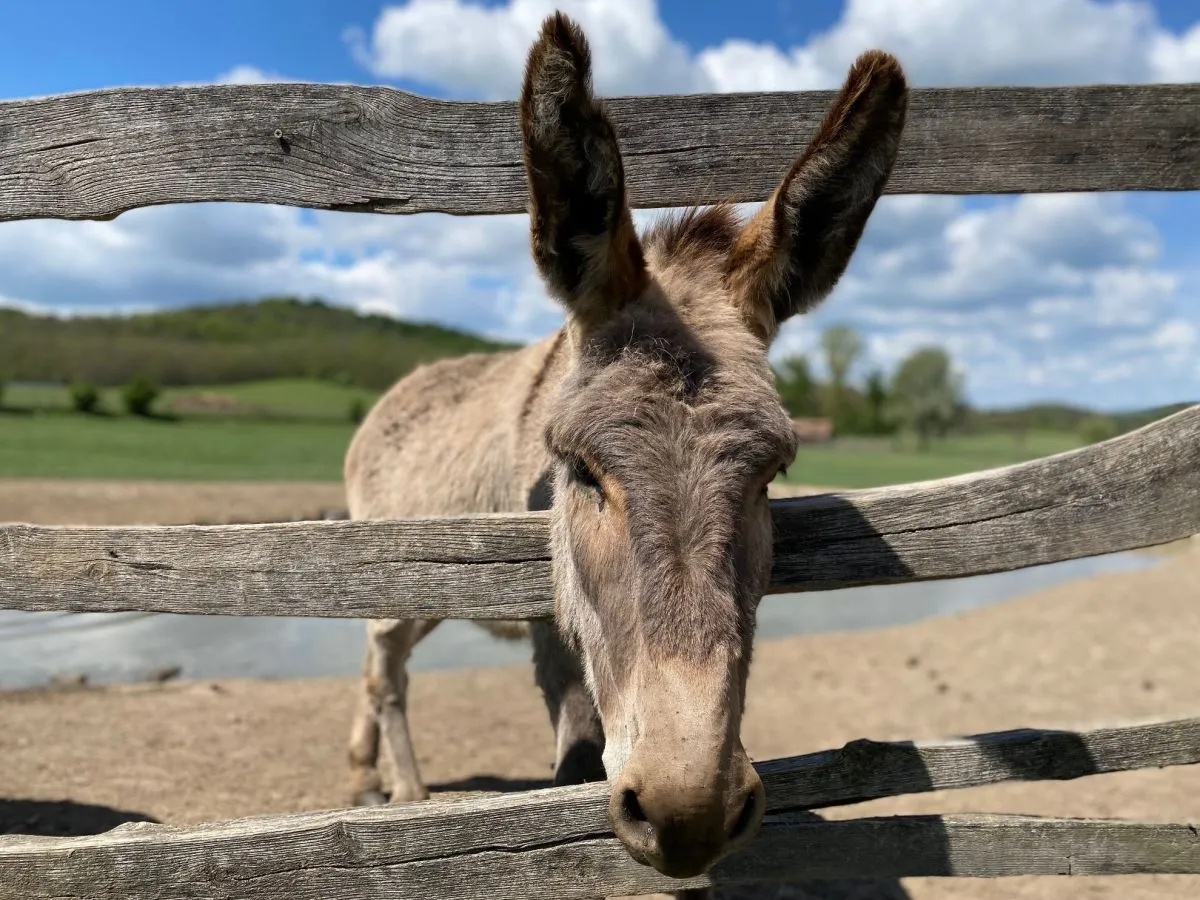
(353, 857)
(556, 843)
(95, 155)
(1137, 490)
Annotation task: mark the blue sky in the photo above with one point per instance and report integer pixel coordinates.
(1079, 297)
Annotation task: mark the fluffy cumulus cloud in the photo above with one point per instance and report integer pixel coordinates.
(468, 49)
(470, 273)
(479, 51)
(1036, 296)
(1039, 295)
(972, 42)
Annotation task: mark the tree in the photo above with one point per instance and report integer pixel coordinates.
(139, 396)
(877, 398)
(796, 387)
(84, 397)
(926, 394)
(842, 346)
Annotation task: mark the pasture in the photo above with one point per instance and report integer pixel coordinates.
(59, 445)
(298, 429)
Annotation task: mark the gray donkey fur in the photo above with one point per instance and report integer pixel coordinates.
(650, 426)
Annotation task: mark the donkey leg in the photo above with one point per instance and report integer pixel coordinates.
(578, 734)
(366, 788)
(381, 720)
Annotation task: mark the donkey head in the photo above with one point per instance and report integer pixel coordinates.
(668, 429)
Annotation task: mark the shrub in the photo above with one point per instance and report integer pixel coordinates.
(139, 396)
(84, 397)
(358, 409)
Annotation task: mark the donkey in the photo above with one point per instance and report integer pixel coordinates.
(649, 425)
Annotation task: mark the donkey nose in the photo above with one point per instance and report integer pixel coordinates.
(682, 833)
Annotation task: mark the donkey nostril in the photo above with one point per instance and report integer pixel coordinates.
(746, 817)
(631, 807)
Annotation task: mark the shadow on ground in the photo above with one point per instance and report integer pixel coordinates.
(62, 818)
(490, 783)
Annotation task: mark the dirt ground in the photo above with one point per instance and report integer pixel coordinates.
(1105, 651)
(83, 502)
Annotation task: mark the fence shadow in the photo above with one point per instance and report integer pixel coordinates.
(863, 771)
(490, 783)
(62, 818)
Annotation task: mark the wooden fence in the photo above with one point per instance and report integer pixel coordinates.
(97, 154)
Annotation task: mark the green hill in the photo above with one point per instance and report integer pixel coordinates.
(277, 337)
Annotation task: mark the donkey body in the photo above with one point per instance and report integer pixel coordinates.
(460, 436)
(650, 427)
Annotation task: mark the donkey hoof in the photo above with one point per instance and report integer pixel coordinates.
(370, 798)
(408, 794)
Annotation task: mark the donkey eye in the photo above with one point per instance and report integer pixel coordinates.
(781, 472)
(584, 476)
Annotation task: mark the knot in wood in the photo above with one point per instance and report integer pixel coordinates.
(100, 569)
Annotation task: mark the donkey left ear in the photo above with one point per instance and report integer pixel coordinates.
(792, 253)
(582, 234)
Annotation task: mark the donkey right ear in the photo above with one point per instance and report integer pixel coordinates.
(793, 252)
(582, 232)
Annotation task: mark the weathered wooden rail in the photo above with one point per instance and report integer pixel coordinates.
(1134, 491)
(372, 149)
(556, 844)
(95, 155)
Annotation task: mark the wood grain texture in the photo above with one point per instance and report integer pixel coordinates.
(1137, 490)
(556, 843)
(95, 155)
(358, 856)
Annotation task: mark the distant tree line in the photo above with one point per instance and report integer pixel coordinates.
(278, 337)
(923, 396)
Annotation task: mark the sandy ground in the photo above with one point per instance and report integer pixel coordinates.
(83, 502)
(1105, 651)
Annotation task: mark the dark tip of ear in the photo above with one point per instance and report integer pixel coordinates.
(877, 70)
(560, 61)
(561, 32)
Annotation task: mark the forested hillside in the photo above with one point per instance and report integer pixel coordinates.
(278, 337)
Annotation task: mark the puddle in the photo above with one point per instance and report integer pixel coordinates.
(122, 647)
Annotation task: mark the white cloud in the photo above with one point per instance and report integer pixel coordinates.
(470, 49)
(1036, 295)
(247, 74)
(1176, 58)
(430, 267)
(960, 43)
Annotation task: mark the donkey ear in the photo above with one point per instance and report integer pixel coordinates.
(792, 253)
(582, 233)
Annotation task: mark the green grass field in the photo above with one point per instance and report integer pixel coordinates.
(299, 398)
(296, 429)
(855, 463)
(62, 445)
